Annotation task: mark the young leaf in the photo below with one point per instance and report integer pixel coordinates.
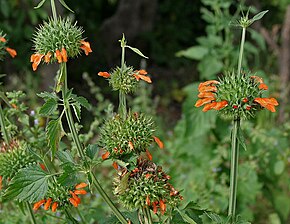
(29, 184)
(137, 51)
(259, 16)
(65, 5)
(83, 101)
(47, 95)
(91, 151)
(39, 4)
(54, 134)
(49, 107)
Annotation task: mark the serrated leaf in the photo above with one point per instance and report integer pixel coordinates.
(47, 95)
(259, 16)
(83, 101)
(54, 134)
(65, 5)
(77, 110)
(30, 184)
(91, 151)
(137, 51)
(214, 217)
(65, 156)
(185, 217)
(195, 52)
(39, 4)
(49, 107)
(241, 139)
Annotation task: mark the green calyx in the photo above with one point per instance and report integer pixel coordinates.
(239, 92)
(146, 185)
(55, 35)
(133, 134)
(13, 157)
(123, 80)
(59, 194)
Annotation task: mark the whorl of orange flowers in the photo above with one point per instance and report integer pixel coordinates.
(11, 51)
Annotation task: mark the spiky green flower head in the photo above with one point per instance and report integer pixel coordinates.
(235, 96)
(13, 157)
(58, 40)
(146, 186)
(121, 137)
(4, 49)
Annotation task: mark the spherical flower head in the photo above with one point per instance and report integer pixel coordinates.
(58, 40)
(146, 186)
(121, 137)
(13, 157)
(235, 96)
(4, 49)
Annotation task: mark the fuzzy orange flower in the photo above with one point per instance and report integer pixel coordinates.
(81, 185)
(63, 54)
(54, 206)
(149, 155)
(11, 51)
(141, 74)
(162, 206)
(268, 103)
(86, 47)
(36, 59)
(47, 57)
(2, 39)
(47, 204)
(106, 155)
(159, 142)
(104, 74)
(37, 205)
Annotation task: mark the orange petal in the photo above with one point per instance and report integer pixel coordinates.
(154, 207)
(115, 165)
(38, 204)
(86, 47)
(142, 72)
(42, 166)
(263, 86)
(273, 101)
(11, 51)
(208, 89)
(106, 155)
(104, 74)
(82, 191)
(2, 39)
(54, 206)
(207, 83)
(63, 54)
(162, 206)
(145, 78)
(136, 77)
(262, 101)
(77, 199)
(203, 101)
(220, 105)
(206, 95)
(73, 202)
(81, 185)
(209, 106)
(47, 204)
(159, 142)
(47, 57)
(257, 78)
(148, 200)
(36, 59)
(58, 56)
(149, 155)
(148, 175)
(270, 107)
(131, 146)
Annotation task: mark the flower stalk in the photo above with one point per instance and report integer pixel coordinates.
(122, 110)
(241, 50)
(53, 9)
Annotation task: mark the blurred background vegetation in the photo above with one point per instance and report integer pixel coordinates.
(187, 41)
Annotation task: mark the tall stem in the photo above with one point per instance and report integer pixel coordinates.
(234, 170)
(241, 50)
(80, 148)
(3, 128)
(32, 218)
(53, 9)
(122, 110)
(148, 215)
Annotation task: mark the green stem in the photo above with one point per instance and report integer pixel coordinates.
(69, 217)
(53, 9)
(32, 217)
(122, 110)
(80, 148)
(81, 216)
(234, 170)
(241, 50)
(148, 215)
(3, 128)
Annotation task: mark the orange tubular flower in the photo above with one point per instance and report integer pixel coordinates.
(54, 206)
(209, 106)
(148, 200)
(77, 199)
(141, 74)
(82, 191)
(36, 59)
(268, 103)
(73, 202)
(63, 54)
(220, 105)
(47, 57)
(206, 94)
(47, 204)
(81, 185)
(155, 206)
(104, 74)
(11, 51)
(203, 101)
(38, 204)
(149, 155)
(2, 39)
(159, 142)
(115, 165)
(106, 155)
(131, 146)
(162, 206)
(86, 47)
(257, 78)
(263, 86)
(207, 89)
(58, 56)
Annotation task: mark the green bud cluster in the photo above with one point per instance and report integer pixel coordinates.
(125, 136)
(60, 194)
(123, 80)
(13, 157)
(55, 35)
(145, 185)
(239, 92)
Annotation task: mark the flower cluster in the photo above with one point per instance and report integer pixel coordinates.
(122, 137)
(57, 41)
(3, 47)
(125, 80)
(146, 185)
(235, 96)
(60, 197)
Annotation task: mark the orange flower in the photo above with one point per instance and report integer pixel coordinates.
(38, 204)
(220, 105)
(58, 56)
(54, 206)
(2, 39)
(162, 206)
(155, 206)
(106, 155)
(159, 142)
(42, 166)
(63, 54)
(81, 185)
(86, 47)
(257, 78)
(11, 51)
(82, 191)
(77, 199)
(201, 102)
(36, 59)
(209, 106)
(148, 175)
(115, 165)
(148, 200)
(73, 202)
(141, 74)
(268, 103)
(263, 86)
(148, 154)
(207, 89)
(47, 204)
(47, 57)
(104, 74)
(206, 94)
(207, 83)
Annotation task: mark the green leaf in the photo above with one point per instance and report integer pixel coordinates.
(49, 107)
(121, 188)
(91, 150)
(185, 217)
(60, 79)
(65, 156)
(83, 101)
(47, 95)
(54, 134)
(137, 51)
(39, 4)
(214, 217)
(241, 138)
(195, 52)
(29, 184)
(65, 5)
(259, 16)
